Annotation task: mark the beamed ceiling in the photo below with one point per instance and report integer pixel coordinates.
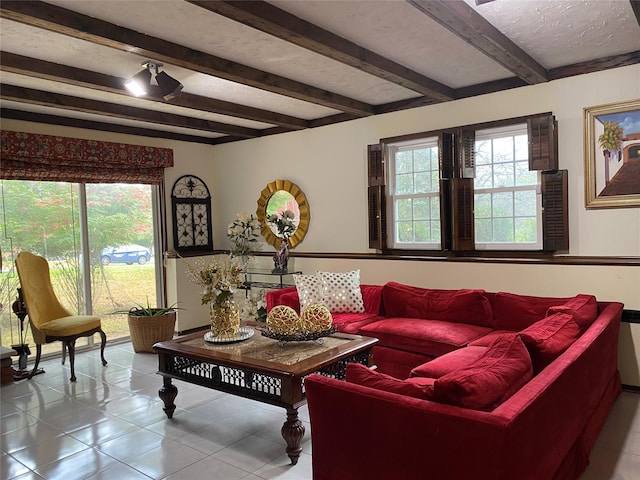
(254, 68)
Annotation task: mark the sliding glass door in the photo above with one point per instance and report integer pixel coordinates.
(98, 239)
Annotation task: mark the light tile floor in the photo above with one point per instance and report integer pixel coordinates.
(110, 424)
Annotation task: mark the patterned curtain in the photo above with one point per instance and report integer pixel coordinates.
(27, 156)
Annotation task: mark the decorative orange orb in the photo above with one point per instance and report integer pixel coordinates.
(315, 318)
(283, 320)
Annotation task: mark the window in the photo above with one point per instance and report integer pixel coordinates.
(507, 199)
(56, 220)
(414, 195)
(494, 186)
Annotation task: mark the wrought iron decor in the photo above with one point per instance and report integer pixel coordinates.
(191, 204)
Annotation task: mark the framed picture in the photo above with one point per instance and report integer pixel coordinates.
(612, 155)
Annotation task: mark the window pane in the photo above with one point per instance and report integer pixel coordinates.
(483, 230)
(405, 231)
(404, 209)
(404, 162)
(421, 209)
(522, 147)
(484, 177)
(41, 218)
(421, 230)
(423, 182)
(526, 230)
(503, 175)
(524, 176)
(503, 150)
(435, 209)
(482, 205)
(404, 184)
(502, 204)
(422, 160)
(503, 230)
(525, 203)
(121, 238)
(483, 152)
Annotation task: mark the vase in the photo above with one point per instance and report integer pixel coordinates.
(281, 258)
(225, 319)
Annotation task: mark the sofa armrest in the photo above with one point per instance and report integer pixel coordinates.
(358, 432)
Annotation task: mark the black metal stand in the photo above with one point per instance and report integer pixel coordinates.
(22, 348)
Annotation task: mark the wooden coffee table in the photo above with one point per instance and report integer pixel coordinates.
(259, 368)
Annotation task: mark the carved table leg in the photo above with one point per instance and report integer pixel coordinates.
(292, 432)
(168, 394)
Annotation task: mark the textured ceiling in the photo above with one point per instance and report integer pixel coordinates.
(258, 68)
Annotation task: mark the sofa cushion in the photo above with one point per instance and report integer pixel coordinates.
(353, 322)
(584, 309)
(309, 289)
(515, 312)
(361, 375)
(290, 299)
(460, 306)
(461, 358)
(427, 337)
(491, 379)
(341, 292)
(486, 340)
(549, 337)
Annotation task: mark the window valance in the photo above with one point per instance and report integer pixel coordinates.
(28, 156)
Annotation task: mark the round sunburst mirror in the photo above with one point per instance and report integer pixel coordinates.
(276, 198)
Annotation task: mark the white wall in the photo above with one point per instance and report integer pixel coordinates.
(329, 163)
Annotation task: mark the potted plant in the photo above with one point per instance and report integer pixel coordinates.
(150, 325)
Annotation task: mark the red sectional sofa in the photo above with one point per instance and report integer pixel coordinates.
(469, 385)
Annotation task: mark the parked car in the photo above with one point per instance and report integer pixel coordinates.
(128, 254)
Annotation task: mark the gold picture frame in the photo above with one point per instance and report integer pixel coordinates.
(612, 154)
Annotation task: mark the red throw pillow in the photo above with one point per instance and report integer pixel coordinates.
(549, 337)
(490, 380)
(584, 309)
(515, 312)
(460, 306)
(361, 375)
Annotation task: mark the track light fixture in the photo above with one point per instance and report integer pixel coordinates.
(139, 84)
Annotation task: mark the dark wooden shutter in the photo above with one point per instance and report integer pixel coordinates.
(446, 157)
(467, 154)
(446, 154)
(463, 222)
(543, 142)
(376, 197)
(457, 160)
(555, 211)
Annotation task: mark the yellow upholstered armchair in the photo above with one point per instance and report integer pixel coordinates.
(49, 320)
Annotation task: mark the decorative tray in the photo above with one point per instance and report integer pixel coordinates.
(243, 333)
(299, 336)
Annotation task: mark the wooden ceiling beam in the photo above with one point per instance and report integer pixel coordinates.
(281, 24)
(34, 67)
(105, 127)
(76, 104)
(67, 22)
(462, 20)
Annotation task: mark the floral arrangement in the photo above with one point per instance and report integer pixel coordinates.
(243, 233)
(284, 223)
(219, 279)
(255, 308)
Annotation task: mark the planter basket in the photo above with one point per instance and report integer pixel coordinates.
(147, 331)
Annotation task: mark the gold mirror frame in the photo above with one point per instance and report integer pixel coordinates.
(299, 197)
